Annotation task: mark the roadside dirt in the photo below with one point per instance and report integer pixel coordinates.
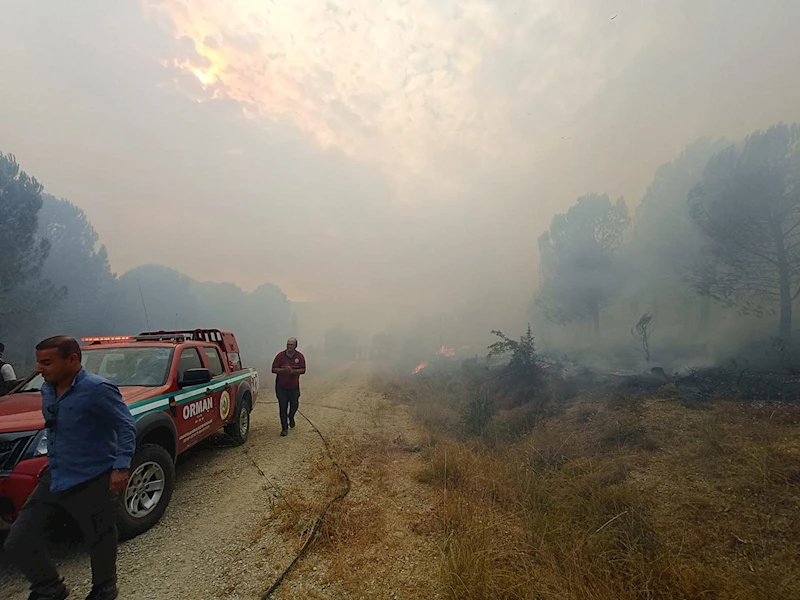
(230, 530)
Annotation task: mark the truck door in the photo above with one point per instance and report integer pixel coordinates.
(194, 419)
(223, 396)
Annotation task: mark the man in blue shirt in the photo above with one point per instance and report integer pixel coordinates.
(91, 437)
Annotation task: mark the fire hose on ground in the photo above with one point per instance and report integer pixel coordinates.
(318, 521)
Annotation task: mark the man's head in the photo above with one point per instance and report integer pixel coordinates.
(58, 359)
(2, 348)
(291, 345)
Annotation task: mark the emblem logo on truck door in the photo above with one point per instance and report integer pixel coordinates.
(224, 405)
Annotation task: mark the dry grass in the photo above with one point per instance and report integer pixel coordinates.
(623, 499)
(364, 536)
(297, 508)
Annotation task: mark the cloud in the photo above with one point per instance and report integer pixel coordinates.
(419, 87)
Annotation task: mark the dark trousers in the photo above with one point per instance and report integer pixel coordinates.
(288, 401)
(90, 504)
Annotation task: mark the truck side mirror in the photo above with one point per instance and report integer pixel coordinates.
(195, 377)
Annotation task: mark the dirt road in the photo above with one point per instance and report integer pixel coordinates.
(218, 538)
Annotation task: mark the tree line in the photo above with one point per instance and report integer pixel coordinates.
(719, 226)
(55, 278)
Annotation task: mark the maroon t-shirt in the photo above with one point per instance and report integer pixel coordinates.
(297, 362)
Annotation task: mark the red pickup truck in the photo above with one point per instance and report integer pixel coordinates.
(180, 386)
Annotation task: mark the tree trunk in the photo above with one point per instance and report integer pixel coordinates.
(705, 314)
(687, 309)
(785, 328)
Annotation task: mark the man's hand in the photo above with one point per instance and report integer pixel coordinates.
(119, 479)
(287, 370)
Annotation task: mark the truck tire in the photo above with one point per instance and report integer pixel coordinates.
(149, 489)
(239, 428)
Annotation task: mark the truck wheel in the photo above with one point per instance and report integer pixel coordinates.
(239, 428)
(149, 489)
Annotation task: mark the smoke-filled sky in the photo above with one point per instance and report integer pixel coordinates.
(373, 149)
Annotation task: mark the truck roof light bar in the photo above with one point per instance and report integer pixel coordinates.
(108, 338)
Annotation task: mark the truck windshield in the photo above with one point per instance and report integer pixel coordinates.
(124, 366)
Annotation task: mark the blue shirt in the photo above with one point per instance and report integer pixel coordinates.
(94, 431)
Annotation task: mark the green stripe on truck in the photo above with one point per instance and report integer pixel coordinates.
(142, 407)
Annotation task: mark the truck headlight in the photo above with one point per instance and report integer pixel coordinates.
(38, 446)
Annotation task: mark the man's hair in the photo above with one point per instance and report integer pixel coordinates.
(294, 339)
(65, 346)
(2, 347)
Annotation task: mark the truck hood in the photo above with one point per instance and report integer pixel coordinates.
(23, 412)
(133, 394)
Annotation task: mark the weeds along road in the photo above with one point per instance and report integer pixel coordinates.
(217, 538)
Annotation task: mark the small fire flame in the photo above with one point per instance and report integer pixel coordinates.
(444, 351)
(419, 367)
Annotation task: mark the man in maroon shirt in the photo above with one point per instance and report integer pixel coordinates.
(288, 366)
